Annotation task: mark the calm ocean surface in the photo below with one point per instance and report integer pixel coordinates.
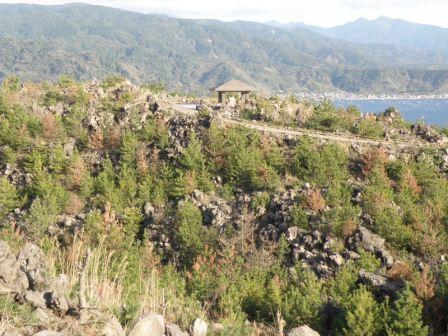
(431, 111)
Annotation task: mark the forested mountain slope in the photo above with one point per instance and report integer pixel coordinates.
(43, 42)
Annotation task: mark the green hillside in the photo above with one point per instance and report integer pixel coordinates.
(44, 42)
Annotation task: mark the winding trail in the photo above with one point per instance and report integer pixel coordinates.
(323, 135)
(299, 132)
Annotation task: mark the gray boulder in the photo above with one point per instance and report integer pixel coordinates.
(303, 331)
(36, 299)
(199, 328)
(112, 328)
(372, 243)
(12, 279)
(32, 262)
(10, 332)
(150, 324)
(174, 330)
(383, 284)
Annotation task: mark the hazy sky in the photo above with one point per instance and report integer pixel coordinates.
(317, 12)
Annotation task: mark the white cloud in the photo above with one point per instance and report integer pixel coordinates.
(317, 12)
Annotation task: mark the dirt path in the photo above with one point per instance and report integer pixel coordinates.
(321, 135)
(298, 132)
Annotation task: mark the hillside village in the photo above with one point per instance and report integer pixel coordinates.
(124, 211)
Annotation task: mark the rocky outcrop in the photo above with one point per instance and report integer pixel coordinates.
(314, 250)
(303, 331)
(215, 210)
(371, 242)
(199, 328)
(32, 262)
(383, 284)
(150, 324)
(427, 133)
(112, 328)
(12, 279)
(174, 330)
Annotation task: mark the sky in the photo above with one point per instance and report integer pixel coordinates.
(324, 13)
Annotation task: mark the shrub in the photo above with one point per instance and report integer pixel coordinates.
(9, 197)
(190, 232)
(405, 316)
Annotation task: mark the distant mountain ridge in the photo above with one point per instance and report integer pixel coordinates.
(84, 41)
(384, 30)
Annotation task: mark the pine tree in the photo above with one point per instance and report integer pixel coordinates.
(405, 318)
(361, 315)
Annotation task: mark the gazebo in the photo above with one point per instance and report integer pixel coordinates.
(234, 86)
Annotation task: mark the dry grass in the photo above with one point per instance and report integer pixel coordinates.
(74, 205)
(400, 270)
(314, 200)
(372, 159)
(76, 174)
(425, 285)
(107, 290)
(96, 140)
(50, 127)
(349, 228)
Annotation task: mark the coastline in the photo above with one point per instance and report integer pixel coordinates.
(329, 96)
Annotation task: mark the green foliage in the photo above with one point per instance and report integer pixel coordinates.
(361, 317)
(405, 317)
(298, 217)
(111, 81)
(12, 83)
(369, 128)
(190, 232)
(239, 158)
(9, 197)
(325, 166)
(302, 299)
(260, 200)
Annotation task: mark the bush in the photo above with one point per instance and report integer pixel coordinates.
(9, 197)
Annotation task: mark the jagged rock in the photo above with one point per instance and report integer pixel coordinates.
(112, 328)
(370, 242)
(215, 210)
(51, 300)
(336, 259)
(49, 333)
(36, 299)
(217, 328)
(293, 232)
(383, 284)
(10, 332)
(12, 279)
(41, 315)
(303, 331)
(32, 263)
(150, 324)
(199, 328)
(57, 302)
(314, 250)
(426, 132)
(174, 330)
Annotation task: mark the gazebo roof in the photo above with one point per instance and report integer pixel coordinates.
(235, 86)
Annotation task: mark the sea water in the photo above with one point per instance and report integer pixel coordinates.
(431, 111)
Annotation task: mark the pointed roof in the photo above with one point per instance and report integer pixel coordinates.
(235, 86)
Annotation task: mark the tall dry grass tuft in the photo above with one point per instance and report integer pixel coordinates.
(108, 289)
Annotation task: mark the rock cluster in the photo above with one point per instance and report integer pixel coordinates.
(303, 331)
(371, 242)
(314, 250)
(215, 210)
(24, 278)
(426, 133)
